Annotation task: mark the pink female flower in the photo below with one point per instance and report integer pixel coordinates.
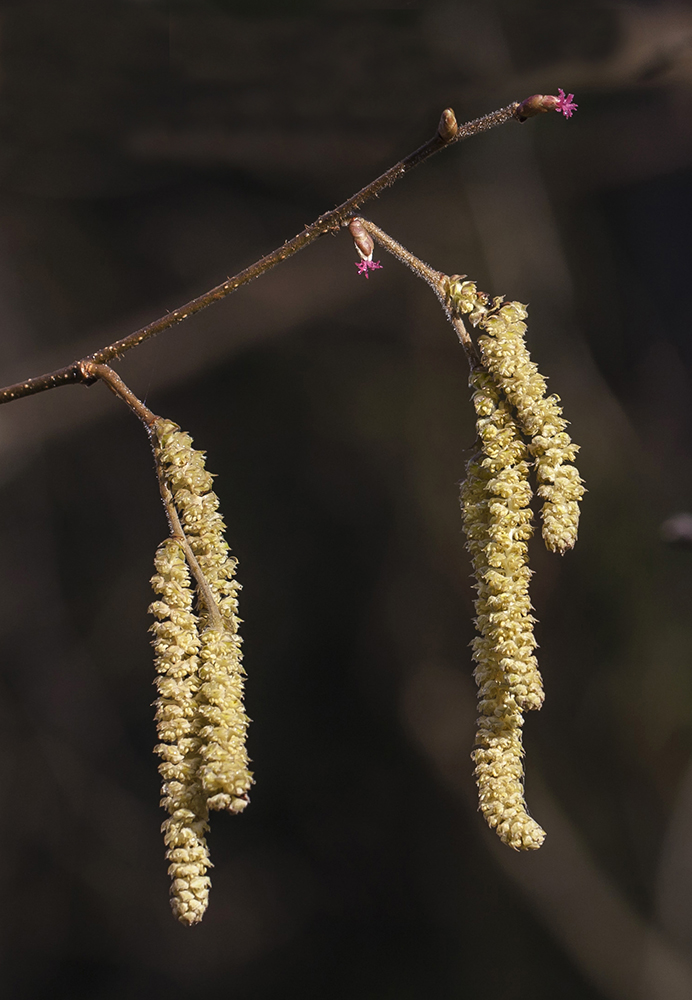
(539, 103)
(565, 103)
(366, 265)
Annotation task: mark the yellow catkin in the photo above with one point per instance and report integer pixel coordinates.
(506, 356)
(176, 644)
(495, 505)
(500, 777)
(224, 772)
(197, 506)
(498, 524)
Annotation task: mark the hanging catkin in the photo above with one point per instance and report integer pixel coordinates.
(519, 428)
(176, 646)
(505, 355)
(200, 714)
(223, 723)
(495, 506)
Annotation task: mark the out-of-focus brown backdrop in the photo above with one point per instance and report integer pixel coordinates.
(147, 151)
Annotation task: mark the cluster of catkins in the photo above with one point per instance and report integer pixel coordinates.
(201, 721)
(520, 429)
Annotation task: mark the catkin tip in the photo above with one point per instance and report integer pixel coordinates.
(500, 776)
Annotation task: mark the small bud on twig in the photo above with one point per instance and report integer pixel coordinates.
(539, 103)
(448, 127)
(365, 247)
(362, 239)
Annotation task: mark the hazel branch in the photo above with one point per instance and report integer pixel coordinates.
(448, 133)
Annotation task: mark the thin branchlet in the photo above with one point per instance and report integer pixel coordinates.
(437, 280)
(448, 134)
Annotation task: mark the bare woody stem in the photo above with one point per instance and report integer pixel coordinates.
(465, 340)
(437, 280)
(90, 373)
(428, 274)
(448, 133)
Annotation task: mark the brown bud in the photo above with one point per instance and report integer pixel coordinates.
(537, 104)
(448, 127)
(361, 237)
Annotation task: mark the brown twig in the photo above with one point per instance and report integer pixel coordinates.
(91, 371)
(465, 340)
(428, 274)
(437, 280)
(448, 133)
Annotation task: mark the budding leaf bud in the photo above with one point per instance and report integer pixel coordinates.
(537, 104)
(448, 127)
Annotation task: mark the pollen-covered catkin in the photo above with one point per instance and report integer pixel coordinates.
(494, 499)
(506, 356)
(197, 506)
(500, 777)
(497, 521)
(176, 645)
(224, 773)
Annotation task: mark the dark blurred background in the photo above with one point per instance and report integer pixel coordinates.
(147, 151)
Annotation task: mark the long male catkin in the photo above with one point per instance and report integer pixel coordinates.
(176, 646)
(506, 356)
(495, 498)
(519, 428)
(224, 772)
(200, 715)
